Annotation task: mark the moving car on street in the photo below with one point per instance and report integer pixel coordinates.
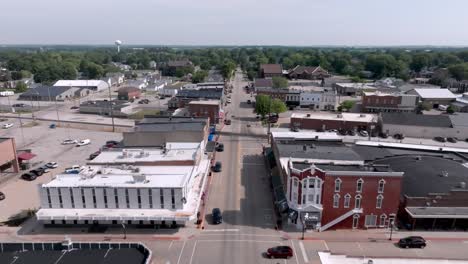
(8, 125)
(83, 142)
(279, 252)
(216, 216)
(217, 167)
(69, 141)
(412, 242)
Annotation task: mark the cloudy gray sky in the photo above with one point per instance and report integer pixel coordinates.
(235, 22)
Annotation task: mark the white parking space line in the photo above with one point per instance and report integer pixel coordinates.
(326, 245)
(182, 250)
(220, 230)
(304, 253)
(193, 252)
(295, 252)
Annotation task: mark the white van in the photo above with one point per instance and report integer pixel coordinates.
(83, 142)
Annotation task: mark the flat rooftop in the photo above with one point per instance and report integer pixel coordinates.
(285, 133)
(172, 152)
(347, 117)
(104, 253)
(205, 102)
(325, 151)
(146, 177)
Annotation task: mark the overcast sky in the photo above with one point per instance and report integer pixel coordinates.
(235, 22)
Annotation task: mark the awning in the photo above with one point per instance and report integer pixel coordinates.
(438, 212)
(26, 156)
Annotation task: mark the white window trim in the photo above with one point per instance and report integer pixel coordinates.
(336, 200)
(383, 186)
(362, 185)
(339, 185)
(379, 197)
(356, 198)
(347, 197)
(355, 218)
(371, 216)
(384, 217)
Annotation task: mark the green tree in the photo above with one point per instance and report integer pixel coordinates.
(459, 71)
(262, 104)
(346, 105)
(450, 110)
(420, 61)
(278, 106)
(199, 76)
(227, 69)
(21, 87)
(279, 82)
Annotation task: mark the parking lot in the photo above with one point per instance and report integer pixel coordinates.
(46, 144)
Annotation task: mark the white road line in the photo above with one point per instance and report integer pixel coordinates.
(241, 235)
(294, 250)
(182, 250)
(193, 252)
(326, 245)
(304, 253)
(107, 252)
(240, 240)
(221, 230)
(170, 245)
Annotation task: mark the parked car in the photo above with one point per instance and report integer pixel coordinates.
(144, 101)
(69, 141)
(18, 105)
(217, 167)
(363, 133)
(2, 196)
(280, 252)
(452, 140)
(219, 147)
(229, 100)
(37, 172)
(399, 136)
(113, 142)
(52, 165)
(216, 216)
(74, 107)
(44, 168)
(383, 135)
(29, 176)
(342, 132)
(227, 121)
(249, 101)
(8, 125)
(294, 129)
(83, 142)
(412, 242)
(440, 139)
(351, 132)
(75, 169)
(94, 155)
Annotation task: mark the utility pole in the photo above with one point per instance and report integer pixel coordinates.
(111, 107)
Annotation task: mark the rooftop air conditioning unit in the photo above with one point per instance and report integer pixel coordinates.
(339, 115)
(362, 115)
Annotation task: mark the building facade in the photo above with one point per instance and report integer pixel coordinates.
(375, 102)
(8, 156)
(308, 73)
(271, 70)
(210, 109)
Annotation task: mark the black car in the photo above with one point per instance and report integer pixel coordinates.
(399, 136)
(452, 140)
(342, 132)
(383, 135)
(37, 171)
(220, 147)
(294, 129)
(74, 107)
(2, 196)
(217, 167)
(94, 155)
(249, 101)
(440, 139)
(216, 216)
(412, 242)
(351, 133)
(29, 176)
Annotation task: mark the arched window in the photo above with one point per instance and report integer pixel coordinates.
(357, 201)
(383, 218)
(347, 200)
(379, 201)
(359, 185)
(381, 186)
(337, 185)
(336, 200)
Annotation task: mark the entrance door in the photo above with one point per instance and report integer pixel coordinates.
(355, 221)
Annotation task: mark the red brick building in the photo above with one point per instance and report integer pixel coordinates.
(128, 93)
(375, 102)
(271, 70)
(208, 108)
(308, 73)
(8, 156)
(327, 121)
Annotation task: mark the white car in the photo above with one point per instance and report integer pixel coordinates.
(75, 169)
(83, 142)
(6, 126)
(229, 100)
(69, 142)
(52, 165)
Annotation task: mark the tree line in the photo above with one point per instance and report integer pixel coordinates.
(53, 64)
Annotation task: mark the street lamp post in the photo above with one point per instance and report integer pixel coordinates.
(303, 225)
(124, 230)
(391, 229)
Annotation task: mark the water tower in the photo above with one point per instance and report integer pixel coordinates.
(118, 43)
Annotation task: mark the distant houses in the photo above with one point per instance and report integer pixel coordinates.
(53, 93)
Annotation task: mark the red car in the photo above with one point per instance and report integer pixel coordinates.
(279, 252)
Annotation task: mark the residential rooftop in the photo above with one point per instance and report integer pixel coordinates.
(205, 102)
(201, 93)
(319, 152)
(80, 83)
(434, 93)
(347, 117)
(272, 68)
